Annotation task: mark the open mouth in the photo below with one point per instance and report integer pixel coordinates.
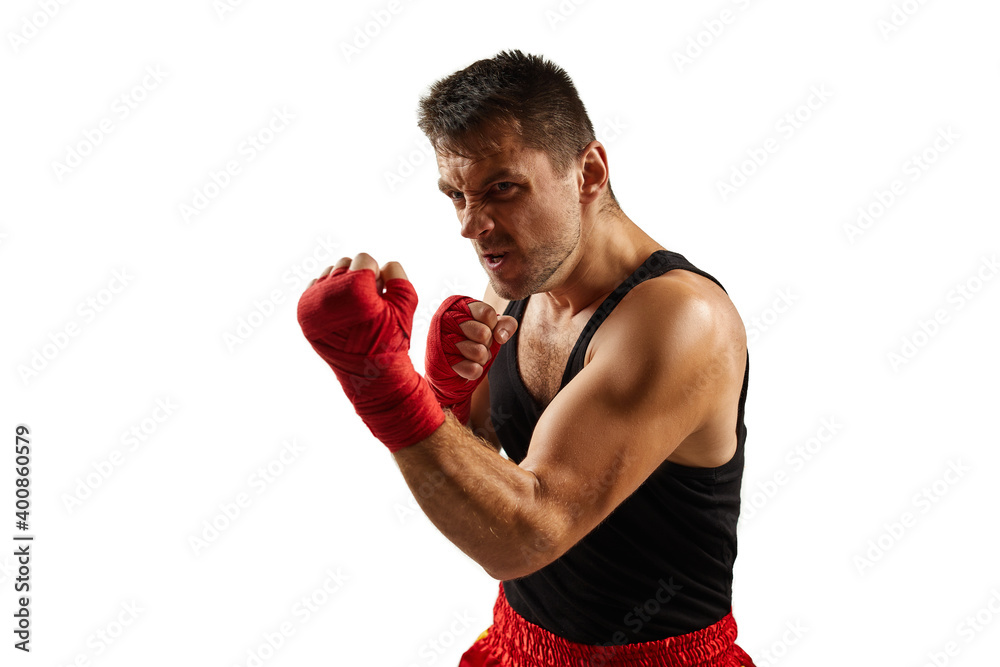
(494, 260)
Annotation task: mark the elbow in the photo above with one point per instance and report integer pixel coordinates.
(536, 540)
(530, 552)
(513, 566)
(524, 561)
(500, 574)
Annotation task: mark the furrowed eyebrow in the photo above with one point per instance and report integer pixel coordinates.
(499, 174)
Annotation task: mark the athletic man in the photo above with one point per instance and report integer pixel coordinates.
(617, 376)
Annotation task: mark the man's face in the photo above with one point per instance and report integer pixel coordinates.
(513, 202)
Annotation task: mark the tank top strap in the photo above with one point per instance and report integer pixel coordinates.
(658, 263)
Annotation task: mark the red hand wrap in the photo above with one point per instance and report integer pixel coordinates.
(365, 338)
(451, 389)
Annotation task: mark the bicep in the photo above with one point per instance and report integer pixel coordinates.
(619, 418)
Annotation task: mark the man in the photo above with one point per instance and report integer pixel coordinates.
(617, 375)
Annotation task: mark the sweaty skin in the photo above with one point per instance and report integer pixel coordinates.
(661, 379)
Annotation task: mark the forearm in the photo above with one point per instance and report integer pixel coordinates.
(359, 318)
(487, 505)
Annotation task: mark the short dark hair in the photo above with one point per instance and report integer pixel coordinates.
(531, 97)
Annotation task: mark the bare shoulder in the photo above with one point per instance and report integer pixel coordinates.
(681, 288)
(499, 304)
(677, 303)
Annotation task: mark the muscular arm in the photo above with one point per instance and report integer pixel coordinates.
(604, 433)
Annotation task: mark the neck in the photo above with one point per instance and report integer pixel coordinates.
(611, 247)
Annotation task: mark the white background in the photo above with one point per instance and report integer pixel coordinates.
(825, 309)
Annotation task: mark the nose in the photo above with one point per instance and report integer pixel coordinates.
(475, 222)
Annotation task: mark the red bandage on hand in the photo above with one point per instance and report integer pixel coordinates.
(365, 338)
(451, 389)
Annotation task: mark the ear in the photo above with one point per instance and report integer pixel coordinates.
(594, 173)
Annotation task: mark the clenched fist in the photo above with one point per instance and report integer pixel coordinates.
(364, 335)
(464, 338)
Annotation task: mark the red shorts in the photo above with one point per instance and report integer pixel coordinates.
(514, 642)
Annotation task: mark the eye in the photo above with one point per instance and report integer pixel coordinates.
(454, 195)
(504, 186)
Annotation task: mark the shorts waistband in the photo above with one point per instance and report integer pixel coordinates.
(516, 641)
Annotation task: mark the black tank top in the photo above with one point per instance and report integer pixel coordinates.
(661, 564)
